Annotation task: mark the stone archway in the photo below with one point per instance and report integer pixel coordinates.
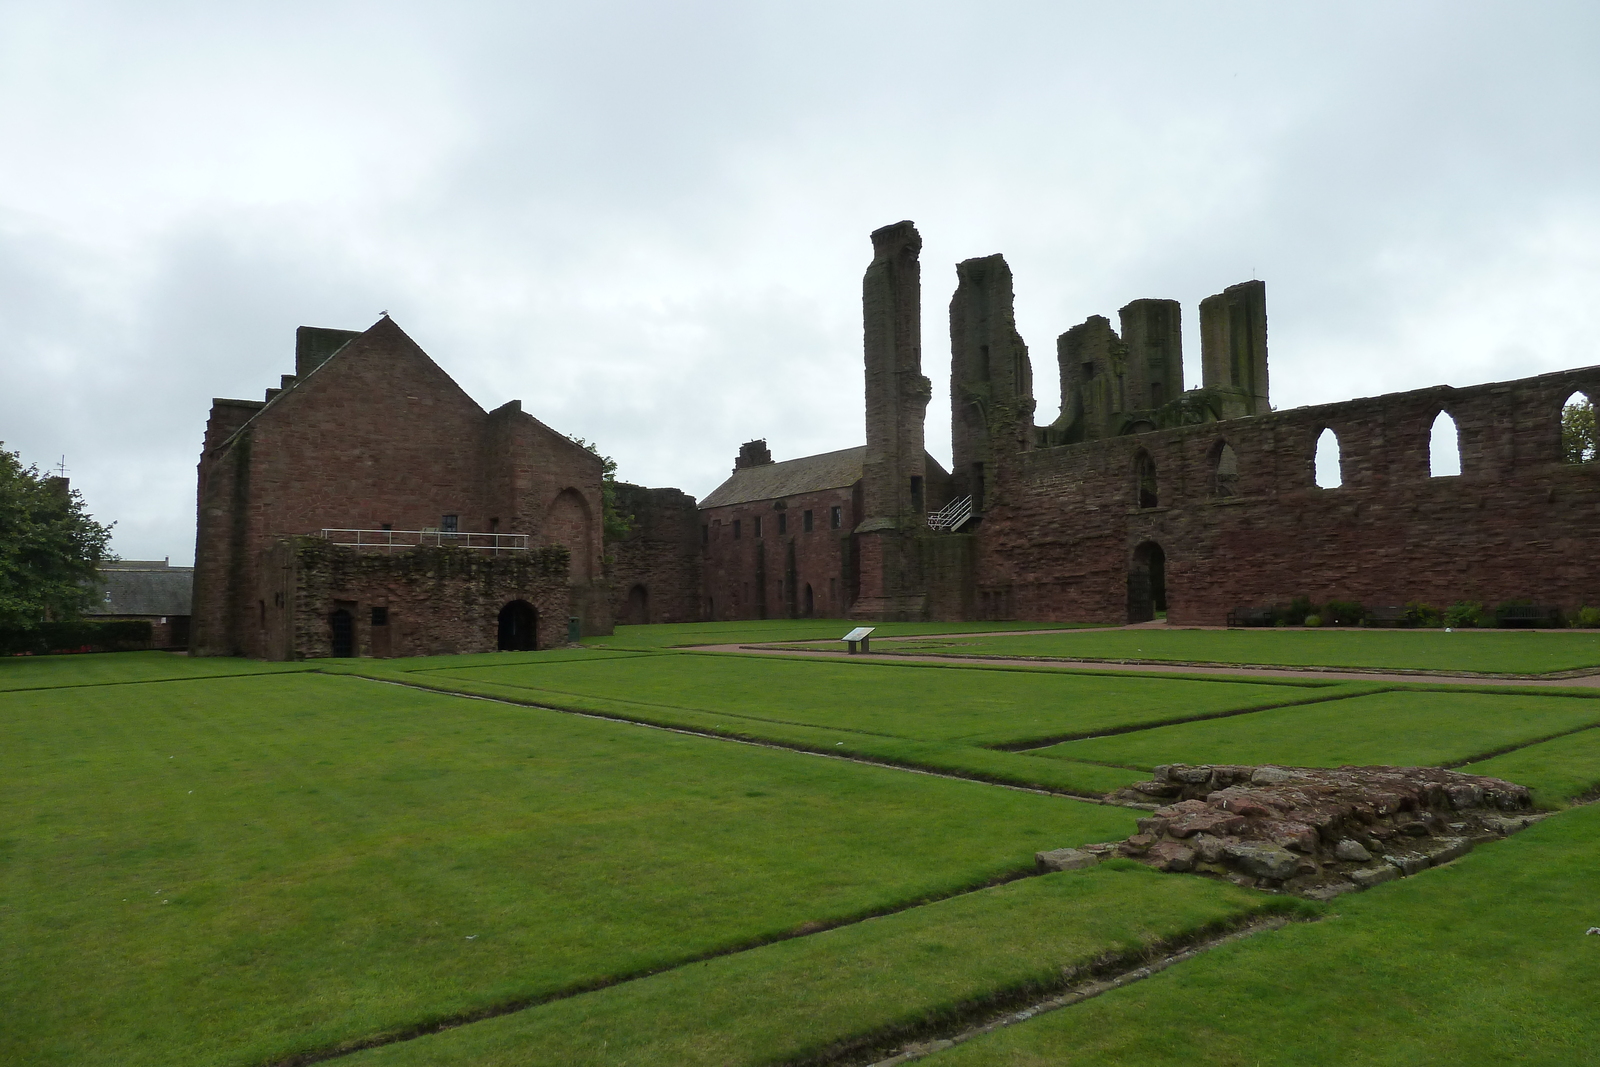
(1147, 582)
(638, 606)
(519, 627)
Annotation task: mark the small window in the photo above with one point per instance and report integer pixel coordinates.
(1444, 447)
(1144, 479)
(494, 525)
(1329, 462)
(1088, 371)
(705, 534)
(387, 526)
(1577, 429)
(736, 526)
(916, 492)
(449, 523)
(1224, 471)
(805, 521)
(380, 616)
(757, 530)
(783, 522)
(835, 517)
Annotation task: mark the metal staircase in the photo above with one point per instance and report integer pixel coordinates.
(952, 516)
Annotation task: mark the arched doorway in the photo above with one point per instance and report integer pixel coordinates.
(638, 606)
(1147, 582)
(810, 602)
(342, 633)
(519, 627)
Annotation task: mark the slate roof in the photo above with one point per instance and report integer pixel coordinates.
(158, 590)
(830, 470)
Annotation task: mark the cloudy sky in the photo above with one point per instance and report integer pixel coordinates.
(649, 221)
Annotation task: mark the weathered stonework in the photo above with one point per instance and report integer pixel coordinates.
(1313, 831)
(655, 572)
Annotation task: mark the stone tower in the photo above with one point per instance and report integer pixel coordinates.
(1233, 348)
(991, 379)
(894, 471)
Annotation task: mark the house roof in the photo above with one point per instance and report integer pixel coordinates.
(158, 590)
(830, 470)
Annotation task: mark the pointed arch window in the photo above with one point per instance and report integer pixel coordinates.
(1444, 447)
(1224, 470)
(1329, 461)
(1145, 488)
(1578, 443)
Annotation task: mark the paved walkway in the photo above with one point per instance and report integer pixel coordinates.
(1589, 680)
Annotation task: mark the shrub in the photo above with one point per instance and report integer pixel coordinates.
(1343, 613)
(1465, 613)
(1295, 614)
(81, 636)
(1420, 614)
(1589, 617)
(1313, 620)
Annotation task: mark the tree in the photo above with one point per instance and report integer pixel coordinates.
(614, 525)
(1577, 432)
(50, 549)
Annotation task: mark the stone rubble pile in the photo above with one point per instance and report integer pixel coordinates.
(1304, 830)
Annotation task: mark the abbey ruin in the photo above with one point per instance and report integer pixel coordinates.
(367, 506)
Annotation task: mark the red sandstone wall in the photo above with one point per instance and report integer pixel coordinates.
(1517, 522)
(765, 577)
(655, 573)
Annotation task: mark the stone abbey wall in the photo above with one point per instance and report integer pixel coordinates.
(655, 573)
(1517, 522)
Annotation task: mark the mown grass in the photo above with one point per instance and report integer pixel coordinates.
(1556, 770)
(238, 870)
(1483, 961)
(761, 631)
(899, 973)
(1481, 651)
(1410, 728)
(109, 668)
(929, 703)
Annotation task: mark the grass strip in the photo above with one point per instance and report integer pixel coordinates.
(1403, 727)
(1557, 771)
(861, 986)
(762, 631)
(1482, 961)
(978, 707)
(18, 673)
(964, 761)
(243, 870)
(1474, 651)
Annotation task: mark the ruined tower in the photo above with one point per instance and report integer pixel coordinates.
(1113, 385)
(1233, 348)
(991, 379)
(1152, 330)
(894, 487)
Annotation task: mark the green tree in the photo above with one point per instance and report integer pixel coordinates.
(1577, 432)
(615, 525)
(50, 549)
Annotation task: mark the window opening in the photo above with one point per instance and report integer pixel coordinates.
(805, 521)
(1144, 476)
(705, 534)
(1444, 447)
(783, 522)
(387, 526)
(736, 529)
(916, 492)
(380, 616)
(1225, 474)
(835, 517)
(449, 523)
(1578, 443)
(757, 531)
(1329, 461)
(494, 525)
(810, 602)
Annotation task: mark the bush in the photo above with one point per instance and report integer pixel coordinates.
(1420, 614)
(1588, 618)
(49, 637)
(1343, 613)
(1313, 620)
(1466, 613)
(1295, 614)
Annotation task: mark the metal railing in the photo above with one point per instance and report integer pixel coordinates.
(403, 540)
(952, 516)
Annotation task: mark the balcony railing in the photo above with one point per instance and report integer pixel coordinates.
(404, 540)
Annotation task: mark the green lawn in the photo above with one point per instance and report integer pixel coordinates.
(1485, 651)
(761, 631)
(1556, 770)
(931, 703)
(237, 870)
(45, 672)
(798, 999)
(1481, 962)
(1410, 728)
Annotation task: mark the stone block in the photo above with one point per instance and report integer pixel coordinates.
(1351, 851)
(1408, 864)
(1264, 861)
(1453, 849)
(1066, 859)
(1368, 877)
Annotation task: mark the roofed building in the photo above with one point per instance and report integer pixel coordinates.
(153, 591)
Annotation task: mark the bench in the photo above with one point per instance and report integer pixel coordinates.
(1389, 615)
(1513, 615)
(1252, 617)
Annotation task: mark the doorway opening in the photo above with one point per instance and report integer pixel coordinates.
(342, 631)
(638, 606)
(519, 627)
(1147, 583)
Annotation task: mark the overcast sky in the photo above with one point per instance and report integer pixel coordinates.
(648, 221)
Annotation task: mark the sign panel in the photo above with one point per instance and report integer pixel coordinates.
(858, 633)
